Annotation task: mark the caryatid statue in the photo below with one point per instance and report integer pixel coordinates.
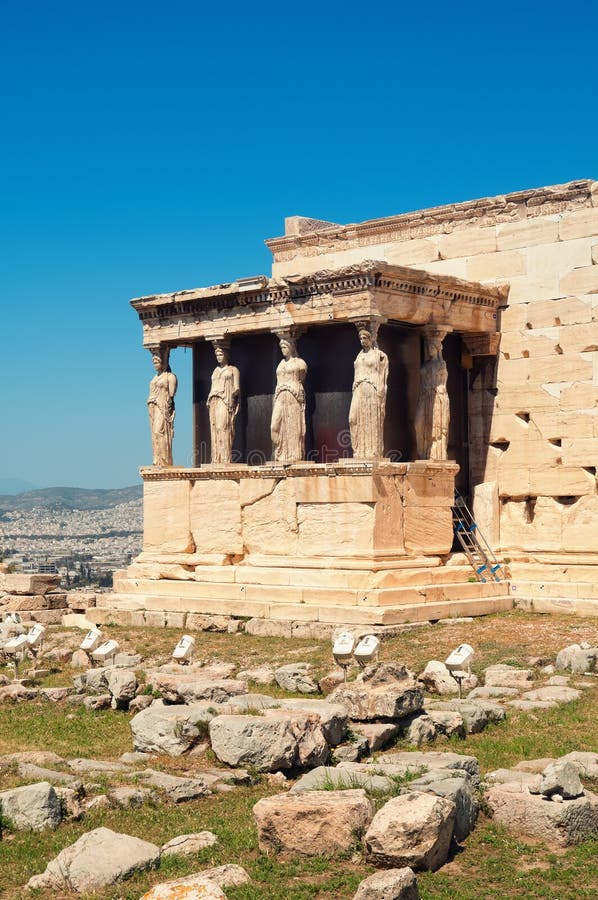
(433, 408)
(287, 426)
(368, 403)
(160, 405)
(223, 404)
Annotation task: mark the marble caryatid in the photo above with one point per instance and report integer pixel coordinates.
(160, 405)
(287, 426)
(223, 404)
(433, 408)
(368, 403)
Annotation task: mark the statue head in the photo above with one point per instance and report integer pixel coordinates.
(288, 347)
(434, 347)
(367, 331)
(160, 356)
(221, 351)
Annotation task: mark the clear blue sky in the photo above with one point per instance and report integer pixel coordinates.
(153, 146)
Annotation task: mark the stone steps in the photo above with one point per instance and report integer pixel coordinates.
(130, 611)
(187, 594)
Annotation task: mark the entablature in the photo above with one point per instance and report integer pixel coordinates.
(372, 288)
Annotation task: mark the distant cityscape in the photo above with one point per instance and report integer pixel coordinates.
(84, 546)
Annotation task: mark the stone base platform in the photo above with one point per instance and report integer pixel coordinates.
(556, 583)
(351, 595)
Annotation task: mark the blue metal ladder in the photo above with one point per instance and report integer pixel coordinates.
(484, 563)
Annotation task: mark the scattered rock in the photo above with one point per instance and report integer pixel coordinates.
(380, 697)
(170, 729)
(80, 660)
(258, 675)
(437, 679)
(476, 714)
(553, 694)
(419, 729)
(561, 777)
(130, 796)
(185, 687)
(457, 787)
(330, 681)
(585, 762)
(577, 659)
(508, 676)
(204, 885)
(413, 829)
(415, 760)
(98, 858)
(490, 692)
(188, 844)
(311, 823)
(34, 806)
(122, 684)
(178, 789)
(447, 722)
(38, 773)
(294, 677)
(141, 701)
(393, 884)
(378, 734)
(531, 816)
(97, 701)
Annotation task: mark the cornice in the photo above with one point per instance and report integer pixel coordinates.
(442, 219)
(261, 293)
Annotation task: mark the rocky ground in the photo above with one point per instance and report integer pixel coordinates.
(391, 774)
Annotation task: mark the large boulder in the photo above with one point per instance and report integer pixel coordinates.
(34, 806)
(170, 729)
(280, 739)
(535, 816)
(393, 884)
(98, 858)
(312, 822)
(457, 787)
(413, 830)
(332, 716)
(388, 693)
(577, 659)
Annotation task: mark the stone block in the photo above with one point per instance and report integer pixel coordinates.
(531, 816)
(412, 253)
(569, 311)
(467, 242)
(428, 530)
(578, 223)
(269, 516)
(491, 266)
(312, 822)
(527, 232)
(580, 281)
(215, 516)
(28, 584)
(412, 830)
(579, 338)
(328, 529)
(166, 526)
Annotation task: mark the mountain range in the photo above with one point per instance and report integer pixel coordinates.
(70, 498)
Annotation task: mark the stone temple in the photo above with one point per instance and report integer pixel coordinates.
(339, 403)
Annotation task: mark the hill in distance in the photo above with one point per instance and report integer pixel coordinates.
(70, 498)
